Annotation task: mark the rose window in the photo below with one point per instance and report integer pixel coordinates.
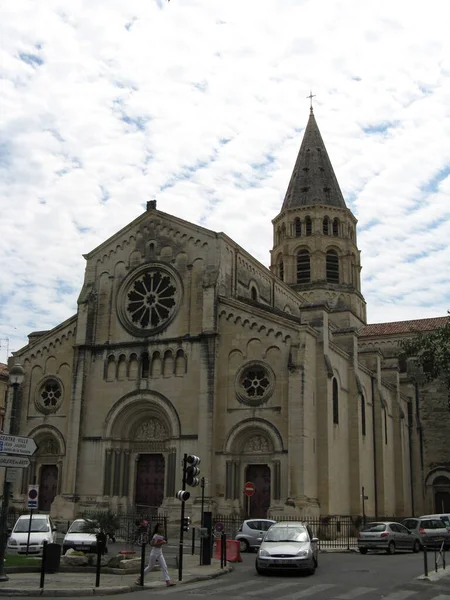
(255, 383)
(149, 299)
(49, 396)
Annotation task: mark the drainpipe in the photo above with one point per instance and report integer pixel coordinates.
(411, 477)
(375, 485)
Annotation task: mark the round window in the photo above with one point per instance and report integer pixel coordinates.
(49, 395)
(254, 383)
(149, 299)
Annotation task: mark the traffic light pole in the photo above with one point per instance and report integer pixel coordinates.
(180, 550)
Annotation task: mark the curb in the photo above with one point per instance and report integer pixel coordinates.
(103, 591)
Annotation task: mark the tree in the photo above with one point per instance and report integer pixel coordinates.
(431, 353)
(101, 523)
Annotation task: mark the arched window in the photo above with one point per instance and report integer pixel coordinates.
(326, 226)
(303, 267)
(297, 228)
(332, 267)
(363, 415)
(336, 227)
(308, 225)
(335, 402)
(145, 365)
(254, 294)
(281, 270)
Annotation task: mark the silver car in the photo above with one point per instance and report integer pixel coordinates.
(288, 545)
(251, 533)
(430, 531)
(388, 536)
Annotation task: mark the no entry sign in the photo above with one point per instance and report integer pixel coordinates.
(249, 488)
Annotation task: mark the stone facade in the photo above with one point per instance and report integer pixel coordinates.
(3, 392)
(184, 343)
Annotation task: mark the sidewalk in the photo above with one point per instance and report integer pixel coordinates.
(83, 584)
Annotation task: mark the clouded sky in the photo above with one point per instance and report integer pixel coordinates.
(201, 104)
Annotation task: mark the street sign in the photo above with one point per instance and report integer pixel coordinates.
(33, 493)
(249, 488)
(17, 462)
(219, 526)
(12, 475)
(14, 444)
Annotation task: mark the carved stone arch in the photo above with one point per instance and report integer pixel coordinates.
(41, 433)
(248, 428)
(435, 473)
(134, 407)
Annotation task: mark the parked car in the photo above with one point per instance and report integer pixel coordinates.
(288, 545)
(42, 529)
(251, 533)
(430, 531)
(385, 535)
(442, 517)
(78, 539)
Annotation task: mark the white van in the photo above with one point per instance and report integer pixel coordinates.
(42, 529)
(443, 517)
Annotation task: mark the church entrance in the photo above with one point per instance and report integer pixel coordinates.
(441, 488)
(150, 480)
(259, 503)
(48, 486)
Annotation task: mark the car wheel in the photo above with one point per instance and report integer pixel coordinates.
(245, 546)
(391, 548)
(363, 550)
(416, 546)
(316, 562)
(259, 570)
(311, 571)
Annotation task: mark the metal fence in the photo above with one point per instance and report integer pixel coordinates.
(130, 520)
(340, 532)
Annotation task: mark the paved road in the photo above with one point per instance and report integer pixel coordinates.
(339, 577)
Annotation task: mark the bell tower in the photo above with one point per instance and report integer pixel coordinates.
(314, 235)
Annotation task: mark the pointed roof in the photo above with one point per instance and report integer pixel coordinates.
(313, 180)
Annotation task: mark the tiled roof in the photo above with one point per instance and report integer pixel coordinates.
(3, 370)
(397, 327)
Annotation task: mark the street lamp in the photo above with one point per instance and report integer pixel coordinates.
(16, 377)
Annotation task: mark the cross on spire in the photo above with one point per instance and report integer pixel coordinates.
(311, 96)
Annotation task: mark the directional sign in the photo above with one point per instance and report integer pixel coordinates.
(14, 444)
(18, 462)
(249, 488)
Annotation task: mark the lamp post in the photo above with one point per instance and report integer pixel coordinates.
(16, 377)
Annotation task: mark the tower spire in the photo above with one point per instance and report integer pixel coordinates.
(313, 180)
(311, 96)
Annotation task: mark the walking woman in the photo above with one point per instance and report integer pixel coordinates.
(156, 555)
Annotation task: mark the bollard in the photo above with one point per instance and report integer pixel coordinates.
(142, 563)
(44, 556)
(193, 541)
(425, 560)
(435, 560)
(443, 557)
(99, 560)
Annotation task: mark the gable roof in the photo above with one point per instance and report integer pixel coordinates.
(398, 327)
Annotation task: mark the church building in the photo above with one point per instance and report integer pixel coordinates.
(184, 343)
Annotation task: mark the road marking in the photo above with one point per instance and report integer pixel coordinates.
(351, 594)
(272, 588)
(442, 597)
(221, 588)
(314, 589)
(400, 595)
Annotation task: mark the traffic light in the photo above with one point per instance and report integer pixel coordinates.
(186, 523)
(183, 495)
(192, 470)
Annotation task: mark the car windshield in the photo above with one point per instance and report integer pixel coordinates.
(374, 527)
(23, 525)
(287, 534)
(77, 527)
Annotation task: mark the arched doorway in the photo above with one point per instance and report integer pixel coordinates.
(150, 480)
(259, 503)
(48, 487)
(441, 489)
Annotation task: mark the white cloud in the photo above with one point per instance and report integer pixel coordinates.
(105, 105)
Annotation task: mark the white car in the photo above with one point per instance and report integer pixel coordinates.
(42, 529)
(77, 539)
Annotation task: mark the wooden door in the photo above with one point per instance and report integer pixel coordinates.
(442, 502)
(259, 503)
(150, 480)
(48, 486)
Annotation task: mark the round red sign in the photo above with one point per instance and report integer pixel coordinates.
(249, 488)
